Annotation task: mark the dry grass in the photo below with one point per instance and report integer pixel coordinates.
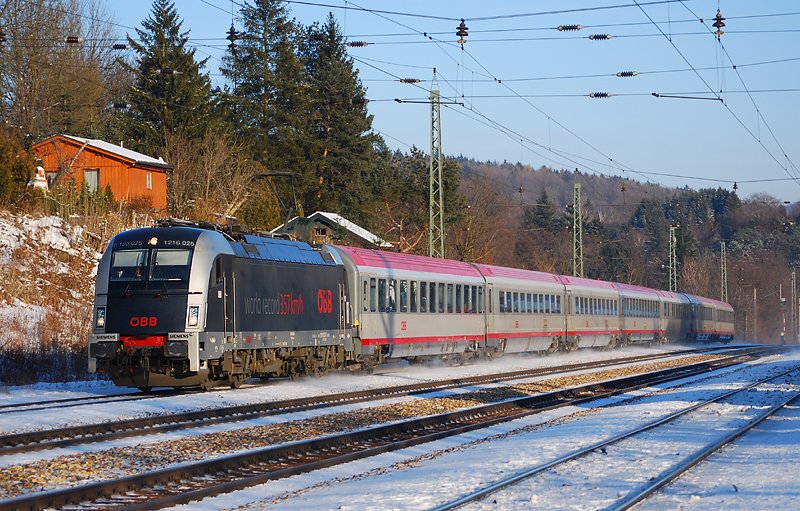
(47, 294)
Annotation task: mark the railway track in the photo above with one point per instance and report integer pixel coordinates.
(139, 395)
(655, 483)
(70, 436)
(34, 406)
(194, 481)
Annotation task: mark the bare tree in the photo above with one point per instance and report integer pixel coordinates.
(210, 175)
(54, 67)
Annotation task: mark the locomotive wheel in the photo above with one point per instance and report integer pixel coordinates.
(235, 381)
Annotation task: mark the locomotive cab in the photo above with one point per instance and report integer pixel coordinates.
(150, 306)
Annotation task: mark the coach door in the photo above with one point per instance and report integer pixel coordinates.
(569, 315)
(488, 309)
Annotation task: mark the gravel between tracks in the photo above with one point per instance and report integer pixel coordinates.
(118, 462)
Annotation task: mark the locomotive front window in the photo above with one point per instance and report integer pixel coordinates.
(129, 265)
(170, 264)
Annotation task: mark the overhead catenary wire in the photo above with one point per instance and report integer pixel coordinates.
(727, 107)
(752, 100)
(465, 51)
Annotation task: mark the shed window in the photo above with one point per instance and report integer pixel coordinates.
(91, 180)
(149, 181)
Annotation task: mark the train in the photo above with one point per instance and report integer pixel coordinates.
(185, 304)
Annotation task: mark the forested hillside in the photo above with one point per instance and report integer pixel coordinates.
(288, 132)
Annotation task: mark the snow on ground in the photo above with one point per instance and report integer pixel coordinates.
(48, 230)
(427, 475)
(39, 419)
(759, 471)
(400, 374)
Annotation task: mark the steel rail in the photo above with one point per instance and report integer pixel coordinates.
(192, 481)
(665, 478)
(629, 501)
(75, 435)
(34, 406)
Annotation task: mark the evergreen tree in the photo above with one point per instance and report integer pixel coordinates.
(267, 101)
(344, 144)
(540, 215)
(170, 93)
(16, 167)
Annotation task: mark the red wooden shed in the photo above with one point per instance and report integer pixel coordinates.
(98, 164)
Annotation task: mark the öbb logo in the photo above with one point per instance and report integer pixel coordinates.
(144, 321)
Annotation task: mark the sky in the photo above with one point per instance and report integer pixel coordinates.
(519, 89)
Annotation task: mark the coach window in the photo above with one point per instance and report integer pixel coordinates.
(381, 295)
(365, 295)
(373, 295)
(432, 297)
(441, 297)
(480, 300)
(423, 297)
(502, 296)
(449, 297)
(403, 296)
(459, 297)
(515, 301)
(392, 296)
(547, 308)
(414, 296)
(558, 304)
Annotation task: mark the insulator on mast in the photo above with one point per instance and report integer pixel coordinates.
(357, 44)
(233, 36)
(627, 74)
(600, 37)
(410, 80)
(718, 24)
(119, 46)
(569, 28)
(73, 39)
(600, 95)
(462, 32)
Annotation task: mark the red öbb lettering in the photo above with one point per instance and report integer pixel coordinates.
(324, 301)
(144, 321)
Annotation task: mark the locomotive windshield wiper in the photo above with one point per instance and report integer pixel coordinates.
(164, 291)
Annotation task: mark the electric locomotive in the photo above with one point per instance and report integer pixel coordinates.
(188, 306)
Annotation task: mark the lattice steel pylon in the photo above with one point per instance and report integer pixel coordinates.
(577, 232)
(436, 202)
(673, 260)
(723, 265)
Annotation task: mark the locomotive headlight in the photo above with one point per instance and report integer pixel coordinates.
(100, 322)
(194, 315)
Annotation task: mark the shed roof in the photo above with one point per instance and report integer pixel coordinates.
(336, 219)
(127, 154)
